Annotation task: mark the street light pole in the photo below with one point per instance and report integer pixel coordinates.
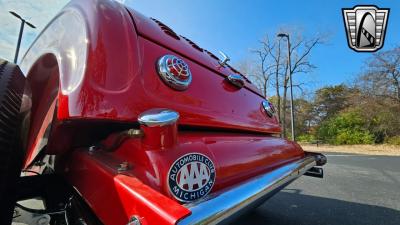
(291, 84)
(21, 31)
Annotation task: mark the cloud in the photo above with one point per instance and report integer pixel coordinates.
(38, 12)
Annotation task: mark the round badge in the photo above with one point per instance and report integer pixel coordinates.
(191, 177)
(174, 72)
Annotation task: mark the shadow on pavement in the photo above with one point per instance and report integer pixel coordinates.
(293, 208)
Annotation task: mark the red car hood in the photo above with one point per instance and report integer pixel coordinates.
(210, 101)
(156, 31)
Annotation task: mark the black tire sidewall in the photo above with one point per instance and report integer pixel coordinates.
(12, 83)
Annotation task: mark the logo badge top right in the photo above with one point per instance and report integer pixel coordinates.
(365, 27)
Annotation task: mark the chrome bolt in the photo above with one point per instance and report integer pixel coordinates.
(92, 149)
(134, 220)
(124, 166)
(134, 133)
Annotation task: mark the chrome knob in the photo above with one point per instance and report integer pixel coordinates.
(236, 80)
(158, 117)
(159, 128)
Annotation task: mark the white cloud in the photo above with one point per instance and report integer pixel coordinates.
(38, 12)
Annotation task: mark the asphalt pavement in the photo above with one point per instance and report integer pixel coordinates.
(356, 190)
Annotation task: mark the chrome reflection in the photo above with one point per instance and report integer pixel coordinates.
(219, 207)
(268, 108)
(236, 79)
(158, 117)
(174, 72)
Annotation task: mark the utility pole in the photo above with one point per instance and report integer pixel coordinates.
(291, 84)
(21, 30)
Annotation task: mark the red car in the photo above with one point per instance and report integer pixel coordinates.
(116, 119)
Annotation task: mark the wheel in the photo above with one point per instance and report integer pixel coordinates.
(12, 84)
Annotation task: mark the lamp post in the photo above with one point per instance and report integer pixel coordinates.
(282, 35)
(21, 30)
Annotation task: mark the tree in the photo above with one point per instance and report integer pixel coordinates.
(273, 66)
(380, 94)
(380, 114)
(330, 100)
(299, 51)
(304, 116)
(273, 69)
(382, 77)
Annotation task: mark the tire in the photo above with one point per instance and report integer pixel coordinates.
(12, 84)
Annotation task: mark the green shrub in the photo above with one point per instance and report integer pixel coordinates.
(352, 137)
(306, 138)
(393, 140)
(346, 128)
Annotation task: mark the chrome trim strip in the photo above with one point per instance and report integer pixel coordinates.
(158, 117)
(220, 207)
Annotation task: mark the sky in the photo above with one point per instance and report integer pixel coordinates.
(235, 27)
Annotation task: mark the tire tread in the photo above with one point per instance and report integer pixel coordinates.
(12, 84)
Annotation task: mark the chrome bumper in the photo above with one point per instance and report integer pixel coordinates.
(225, 206)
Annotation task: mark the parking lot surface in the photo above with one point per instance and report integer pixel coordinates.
(356, 190)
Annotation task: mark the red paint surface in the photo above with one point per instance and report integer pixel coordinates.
(44, 100)
(114, 197)
(121, 80)
(150, 30)
(237, 157)
(160, 137)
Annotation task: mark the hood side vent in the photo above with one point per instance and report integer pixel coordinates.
(166, 29)
(212, 55)
(194, 45)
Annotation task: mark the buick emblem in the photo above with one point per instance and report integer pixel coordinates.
(174, 72)
(191, 177)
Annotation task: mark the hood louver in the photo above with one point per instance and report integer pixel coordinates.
(194, 45)
(171, 33)
(166, 29)
(212, 55)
